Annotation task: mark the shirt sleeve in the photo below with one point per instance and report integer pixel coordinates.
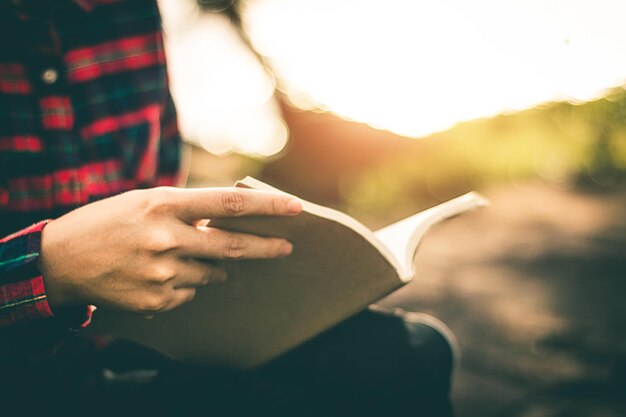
(27, 323)
(22, 294)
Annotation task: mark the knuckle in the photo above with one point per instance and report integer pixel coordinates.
(276, 206)
(154, 303)
(209, 276)
(206, 277)
(278, 247)
(160, 240)
(157, 200)
(233, 202)
(162, 273)
(234, 248)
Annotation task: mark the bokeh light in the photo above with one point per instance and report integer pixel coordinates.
(225, 98)
(415, 68)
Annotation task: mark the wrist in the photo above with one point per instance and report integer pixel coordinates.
(48, 263)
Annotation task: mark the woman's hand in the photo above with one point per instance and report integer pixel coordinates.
(140, 251)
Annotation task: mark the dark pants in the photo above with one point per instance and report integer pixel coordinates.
(372, 364)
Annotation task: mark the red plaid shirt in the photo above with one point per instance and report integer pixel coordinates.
(85, 113)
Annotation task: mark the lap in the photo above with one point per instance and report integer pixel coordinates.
(370, 364)
(374, 363)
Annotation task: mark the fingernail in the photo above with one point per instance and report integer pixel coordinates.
(286, 248)
(294, 206)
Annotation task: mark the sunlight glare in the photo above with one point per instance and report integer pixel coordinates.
(415, 68)
(224, 96)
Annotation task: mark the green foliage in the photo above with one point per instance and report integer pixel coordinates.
(561, 143)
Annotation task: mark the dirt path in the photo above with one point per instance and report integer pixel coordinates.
(534, 289)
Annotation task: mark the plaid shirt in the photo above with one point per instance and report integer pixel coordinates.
(85, 113)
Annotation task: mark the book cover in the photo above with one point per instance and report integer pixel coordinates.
(266, 307)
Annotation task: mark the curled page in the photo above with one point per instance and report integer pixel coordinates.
(402, 238)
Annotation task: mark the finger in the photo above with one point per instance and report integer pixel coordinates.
(213, 243)
(205, 203)
(193, 273)
(180, 297)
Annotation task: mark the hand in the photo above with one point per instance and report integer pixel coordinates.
(141, 251)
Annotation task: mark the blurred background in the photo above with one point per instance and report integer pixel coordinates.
(381, 109)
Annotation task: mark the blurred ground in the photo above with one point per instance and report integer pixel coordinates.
(534, 285)
(534, 288)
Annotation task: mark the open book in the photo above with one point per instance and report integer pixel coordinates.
(266, 307)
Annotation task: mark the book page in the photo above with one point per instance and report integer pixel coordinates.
(403, 237)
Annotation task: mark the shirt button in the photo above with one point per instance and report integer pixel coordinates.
(50, 76)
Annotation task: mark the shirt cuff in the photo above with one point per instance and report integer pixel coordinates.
(22, 292)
